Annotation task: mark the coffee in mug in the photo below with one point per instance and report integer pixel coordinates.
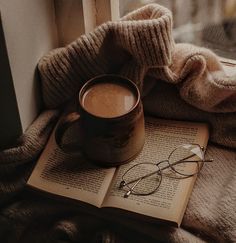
(109, 100)
(110, 114)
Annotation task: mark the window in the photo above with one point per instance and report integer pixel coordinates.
(208, 23)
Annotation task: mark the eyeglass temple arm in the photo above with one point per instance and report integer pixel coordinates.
(123, 183)
(183, 161)
(131, 189)
(137, 180)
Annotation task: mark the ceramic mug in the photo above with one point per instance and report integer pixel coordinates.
(110, 115)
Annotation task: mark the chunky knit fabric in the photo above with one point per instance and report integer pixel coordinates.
(129, 47)
(201, 79)
(140, 46)
(177, 81)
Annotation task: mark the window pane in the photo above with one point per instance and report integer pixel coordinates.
(208, 23)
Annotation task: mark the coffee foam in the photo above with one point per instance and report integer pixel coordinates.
(108, 99)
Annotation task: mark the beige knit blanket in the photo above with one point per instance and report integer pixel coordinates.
(177, 81)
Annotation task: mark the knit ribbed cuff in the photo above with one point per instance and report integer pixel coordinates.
(147, 34)
(143, 37)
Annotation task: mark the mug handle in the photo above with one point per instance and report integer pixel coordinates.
(61, 128)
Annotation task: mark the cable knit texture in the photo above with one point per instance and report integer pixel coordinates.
(177, 81)
(129, 47)
(138, 46)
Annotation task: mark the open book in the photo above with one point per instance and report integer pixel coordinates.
(73, 177)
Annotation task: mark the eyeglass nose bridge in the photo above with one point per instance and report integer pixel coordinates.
(160, 162)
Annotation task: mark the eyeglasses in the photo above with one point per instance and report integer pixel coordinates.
(145, 178)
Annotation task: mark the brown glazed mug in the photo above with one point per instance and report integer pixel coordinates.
(111, 120)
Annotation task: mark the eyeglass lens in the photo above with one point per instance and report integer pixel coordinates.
(187, 159)
(147, 184)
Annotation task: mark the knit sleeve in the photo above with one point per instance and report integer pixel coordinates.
(201, 79)
(147, 34)
(129, 47)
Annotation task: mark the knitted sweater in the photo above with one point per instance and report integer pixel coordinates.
(129, 47)
(177, 81)
(140, 46)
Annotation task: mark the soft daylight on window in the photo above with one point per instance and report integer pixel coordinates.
(208, 23)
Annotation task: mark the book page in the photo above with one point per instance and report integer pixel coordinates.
(170, 200)
(70, 176)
